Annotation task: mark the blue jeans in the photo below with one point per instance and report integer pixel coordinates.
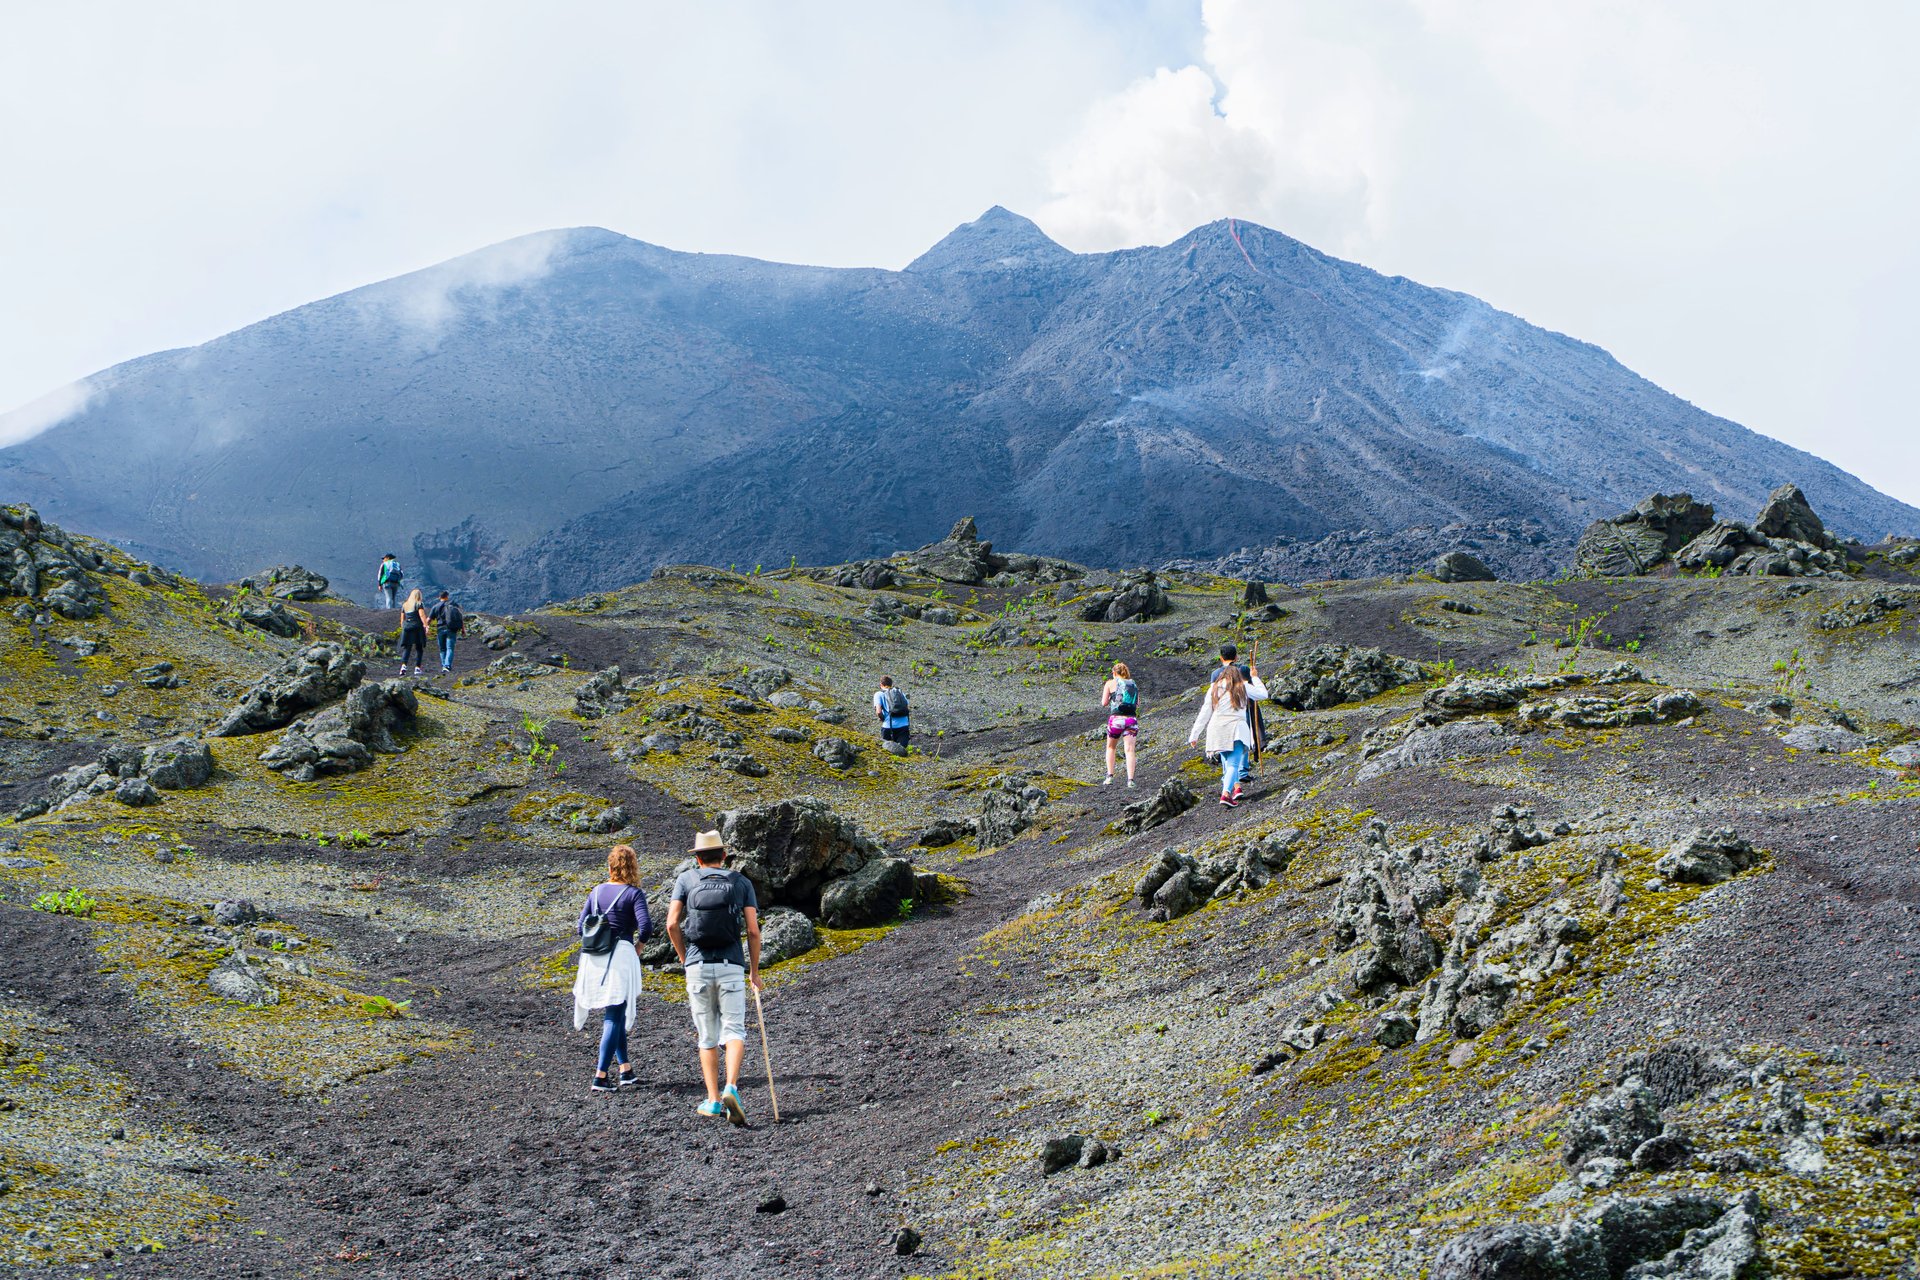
(446, 649)
(1232, 764)
(613, 1036)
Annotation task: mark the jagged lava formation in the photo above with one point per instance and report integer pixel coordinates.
(1570, 931)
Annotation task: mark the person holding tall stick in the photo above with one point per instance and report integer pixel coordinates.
(712, 907)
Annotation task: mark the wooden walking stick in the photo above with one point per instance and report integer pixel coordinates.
(766, 1054)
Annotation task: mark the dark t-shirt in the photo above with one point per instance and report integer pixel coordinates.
(624, 908)
(740, 896)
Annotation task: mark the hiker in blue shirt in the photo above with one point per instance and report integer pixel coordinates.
(890, 705)
(388, 580)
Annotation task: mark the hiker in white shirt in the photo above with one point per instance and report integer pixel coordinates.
(1226, 719)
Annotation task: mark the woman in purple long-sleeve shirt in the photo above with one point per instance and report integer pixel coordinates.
(613, 985)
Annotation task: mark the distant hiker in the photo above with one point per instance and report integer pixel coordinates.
(711, 908)
(1230, 657)
(612, 924)
(413, 632)
(448, 623)
(389, 580)
(1226, 719)
(1121, 698)
(890, 704)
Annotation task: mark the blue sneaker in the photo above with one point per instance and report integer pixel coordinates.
(730, 1099)
(712, 1109)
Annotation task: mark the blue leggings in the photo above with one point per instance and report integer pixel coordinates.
(613, 1036)
(1232, 764)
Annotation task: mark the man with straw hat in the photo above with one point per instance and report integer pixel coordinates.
(711, 907)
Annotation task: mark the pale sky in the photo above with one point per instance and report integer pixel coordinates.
(1723, 193)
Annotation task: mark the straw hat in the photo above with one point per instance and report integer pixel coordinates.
(707, 842)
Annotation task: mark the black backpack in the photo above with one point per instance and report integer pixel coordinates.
(896, 703)
(711, 924)
(597, 937)
(452, 621)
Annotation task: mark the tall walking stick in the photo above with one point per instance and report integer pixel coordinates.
(766, 1054)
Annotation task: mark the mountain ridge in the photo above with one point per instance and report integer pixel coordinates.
(574, 406)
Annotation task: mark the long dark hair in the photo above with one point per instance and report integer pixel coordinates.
(1234, 685)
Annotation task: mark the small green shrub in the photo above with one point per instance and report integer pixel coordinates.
(70, 903)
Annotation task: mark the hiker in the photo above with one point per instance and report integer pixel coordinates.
(711, 907)
(448, 623)
(1230, 657)
(614, 917)
(1226, 715)
(413, 632)
(1121, 698)
(388, 580)
(890, 704)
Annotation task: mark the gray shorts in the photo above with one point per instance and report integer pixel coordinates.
(717, 994)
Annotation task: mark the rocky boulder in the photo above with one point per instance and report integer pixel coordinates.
(1638, 541)
(1134, 598)
(1685, 1237)
(179, 765)
(872, 895)
(959, 557)
(1330, 674)
(234, 979)
(1007, 808)
(1461, 566)
(313, 677)
(784, 934)
(868, 575)
(836, 753)
(1176, 883)
(1704, 857)
(791, 849)
(603, 695)
(343, 739)
(1788, 515)
(133, 775)
(287, 582)
(1379, 914)
(1173, 798)
(269, 616)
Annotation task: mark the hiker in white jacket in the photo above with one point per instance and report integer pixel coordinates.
(1226, 718)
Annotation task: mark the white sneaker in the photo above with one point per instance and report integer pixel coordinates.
(1108, 782)
(403, 668)
(1129, 784)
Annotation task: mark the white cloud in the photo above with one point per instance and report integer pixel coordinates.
(428, 300)
(50, 410)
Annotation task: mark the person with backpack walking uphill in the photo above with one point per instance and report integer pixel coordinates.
(613, 922)
(413, 632)
(890, 704)
(1226, 711)
(712, 907)
(448, 623)
(388, 580)
(1121, 698)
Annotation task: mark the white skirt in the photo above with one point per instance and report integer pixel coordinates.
(601, 981)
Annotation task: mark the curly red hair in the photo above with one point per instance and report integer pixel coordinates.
(623, 867)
